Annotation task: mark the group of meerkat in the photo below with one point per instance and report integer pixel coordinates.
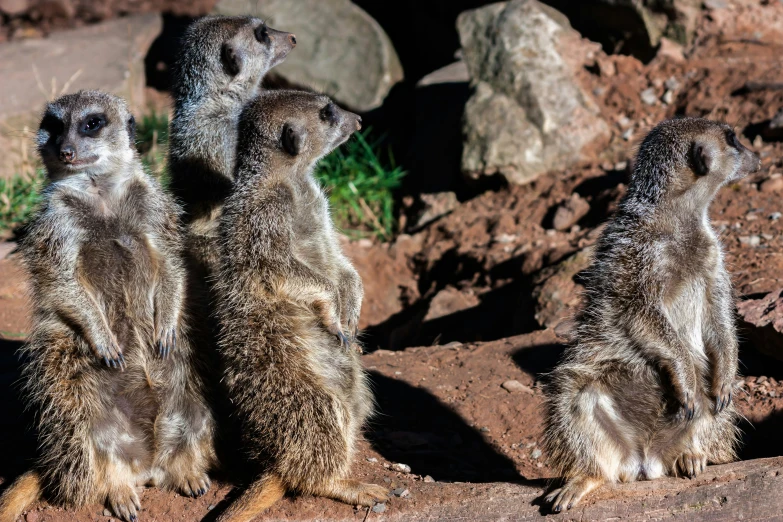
(130, 294)
(138, 303)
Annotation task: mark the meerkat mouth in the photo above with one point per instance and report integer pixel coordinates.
(83, 162)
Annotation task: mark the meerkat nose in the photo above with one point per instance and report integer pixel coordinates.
(67, 154)
(358, 123)
(292, 39)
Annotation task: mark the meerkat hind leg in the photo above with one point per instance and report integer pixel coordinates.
(119, 484)
(572, 491)
(353, 492)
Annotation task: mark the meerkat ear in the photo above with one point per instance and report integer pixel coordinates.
(132, 130)
(701, 158)
(292, 139)
(232, 59)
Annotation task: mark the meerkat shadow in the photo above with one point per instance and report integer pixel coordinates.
(17, 436)
(414, 427)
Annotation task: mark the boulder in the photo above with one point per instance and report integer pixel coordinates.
(556, 293)
(341, 50)
(108, 56)
(528, 113)
(763, 323)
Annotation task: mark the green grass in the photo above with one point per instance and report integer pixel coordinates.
(360, 181)
(152, 136)
(18, 199)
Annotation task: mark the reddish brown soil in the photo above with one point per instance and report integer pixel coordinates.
(463, 291)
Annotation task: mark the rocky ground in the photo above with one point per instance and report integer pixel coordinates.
(460, 312)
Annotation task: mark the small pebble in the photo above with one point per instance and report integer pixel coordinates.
(775, 216)
(106, 513)
(514, 386)
(648, 96)
(620, 165)
(627, 135)
(428, 478)
(535, 453)
(401, 492)
(668, 97)
(211, 507)
(387, 480)
(372, 459)
(672, 84)
(751, 241)
(379, 508)
(484, 429)
(402, 468)
(761, 379)
(32, 516)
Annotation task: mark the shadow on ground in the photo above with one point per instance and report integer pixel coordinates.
(414, 427)
(16, 436)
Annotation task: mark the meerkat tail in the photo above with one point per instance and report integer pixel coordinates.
(258, 497)
(24, 491)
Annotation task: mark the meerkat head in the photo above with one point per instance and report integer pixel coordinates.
(228, 56)
(298, 127)
(89, 132)
(690, 157)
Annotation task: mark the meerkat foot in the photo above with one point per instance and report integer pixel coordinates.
(691, 464)
(167, 342)
(722, 397)
(572, 492)
(194, 486)
(124, 503)
(354, 492)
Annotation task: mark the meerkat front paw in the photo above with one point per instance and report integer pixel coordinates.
(722, 394)
(167, 341)
(687, 409)
(691, 464)
(107, 349)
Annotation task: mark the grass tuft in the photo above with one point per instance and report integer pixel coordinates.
(360, 185)
(152, 137)
(19, 196)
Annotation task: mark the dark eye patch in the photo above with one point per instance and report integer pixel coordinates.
(53, 125)
(329, 114)
(92, 124)
(732, 140)
(262, 34)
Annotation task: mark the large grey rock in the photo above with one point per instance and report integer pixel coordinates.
(528, 113)
(341, 50)
(107, 56)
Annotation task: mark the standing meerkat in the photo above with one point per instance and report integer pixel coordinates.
(288, 302)
(109, 371)
(645, 388)
(223, 62)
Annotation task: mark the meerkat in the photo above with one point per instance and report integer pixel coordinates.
(645, 387)
(109, 371)
(288, 303)
(223, 62)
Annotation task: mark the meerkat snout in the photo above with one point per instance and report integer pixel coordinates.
(67, 154)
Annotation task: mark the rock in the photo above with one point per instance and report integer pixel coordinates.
(340, 48)
(528, 113)
(671, 50)
(514, 386)
(668, 97)
(773, 184)
(775, 216)
(402, 468)
(428, 479)
(449, 301)
(106, 513)
(108, 56)
(535, 453)
(715, 4)
(763, 324)
(556, 294)
(379, 508)
(32, 516)
(401, 492)
(456, 72)
(568, 213)
(372, 460)
(434, 206)
(751, 241)
(649, 97)
(627, 135)
(14, 7)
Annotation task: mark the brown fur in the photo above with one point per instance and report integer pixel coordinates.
(110, 372)
(645, 387)
(288, 302)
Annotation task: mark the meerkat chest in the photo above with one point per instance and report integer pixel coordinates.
(312, 225)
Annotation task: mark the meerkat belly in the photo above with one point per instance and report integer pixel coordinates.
(118, 271)
(686, 313)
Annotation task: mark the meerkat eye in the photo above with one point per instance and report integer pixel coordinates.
(53, 125)
(732, 140)
(93, 124)
(262, 34)
(329, 113)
